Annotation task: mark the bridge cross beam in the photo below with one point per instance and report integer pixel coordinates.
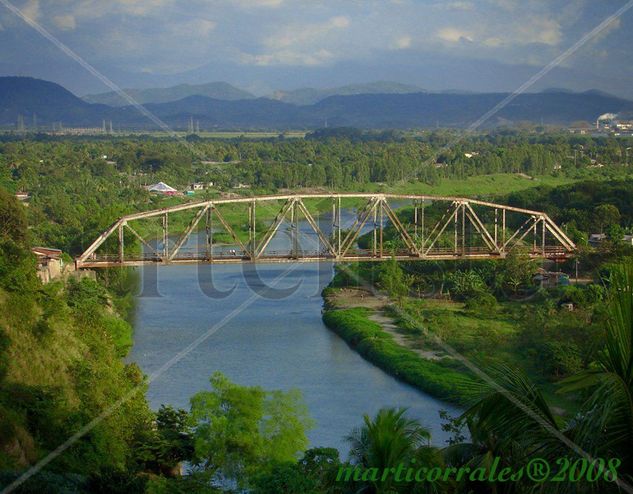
(469, 228)
(359, 223)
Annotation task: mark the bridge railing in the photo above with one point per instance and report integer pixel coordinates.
(454, 228)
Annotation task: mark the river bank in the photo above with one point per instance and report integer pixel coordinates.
(276, 343)
(363, 321)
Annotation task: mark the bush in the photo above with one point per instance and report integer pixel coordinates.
(376, 346)
(482, 303)
(121, 333)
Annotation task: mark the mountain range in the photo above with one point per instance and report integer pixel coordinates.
(216, 90)
(404, 109)
(227, 92)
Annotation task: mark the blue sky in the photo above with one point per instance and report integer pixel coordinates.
(262, 45)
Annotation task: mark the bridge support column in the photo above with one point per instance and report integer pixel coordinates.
(251, 229)
(166, 237)
(121, 244)
(208, 227)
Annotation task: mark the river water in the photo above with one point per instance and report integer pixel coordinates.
(274, 338)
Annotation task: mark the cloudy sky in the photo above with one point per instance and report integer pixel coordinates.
(262, 45)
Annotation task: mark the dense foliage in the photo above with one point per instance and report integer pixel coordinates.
(79, 186)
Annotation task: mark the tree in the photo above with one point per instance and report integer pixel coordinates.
(386, 441)
(164, 448)
(510, 420)
(393, 280)
(606, 420)
(605, 216)
(315, 473)
(13, 224)
(466, 284)
(518, 270)
(239, 430)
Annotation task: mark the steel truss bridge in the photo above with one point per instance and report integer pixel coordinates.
(316, 227)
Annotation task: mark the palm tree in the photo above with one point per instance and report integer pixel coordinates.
(387, 440)
(604, 427)
(511, 421)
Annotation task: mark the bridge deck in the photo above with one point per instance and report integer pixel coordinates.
(310, 257)
(467, 229)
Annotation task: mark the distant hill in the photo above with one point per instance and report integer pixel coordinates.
(53, 103)
(309, 96)
(460, 110)
(216, 90)
(260, 113)
(48, 101)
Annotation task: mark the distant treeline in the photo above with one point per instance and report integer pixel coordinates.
(78, 186)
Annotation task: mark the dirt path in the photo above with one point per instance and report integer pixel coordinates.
(348, 298)
(389, 326)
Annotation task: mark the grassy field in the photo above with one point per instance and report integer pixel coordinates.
(485, 186)
(479, 186)
(443, 378)
(484, 339)
(406, 347)
(290, 134)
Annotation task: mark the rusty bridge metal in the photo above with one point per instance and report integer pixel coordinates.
(424, 228)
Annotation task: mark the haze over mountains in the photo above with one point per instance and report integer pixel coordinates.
(217, 90)
(227, 92)
(377, 105)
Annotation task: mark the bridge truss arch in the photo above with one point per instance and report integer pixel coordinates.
(335, 227)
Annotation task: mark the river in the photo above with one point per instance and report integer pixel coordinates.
(275, 341)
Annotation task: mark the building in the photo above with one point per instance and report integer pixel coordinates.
(606, 121)
(22, 196)
(596, 238)
(197, 186)
(613, 123)
(162, 188)
(50, 264)
(550, 279)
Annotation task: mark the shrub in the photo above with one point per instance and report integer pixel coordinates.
(482, 303)
(378, 347)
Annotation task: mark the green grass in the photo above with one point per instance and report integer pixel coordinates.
(438, 378)
(484, 339)
(290, 134)
(479, 186)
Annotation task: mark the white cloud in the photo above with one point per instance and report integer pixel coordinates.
(299, 34)
(198, 27)
(65, 22)
(493, 42)
(613, 26)
(454, 35)
(288, 57)
(256, 3)
(301, 44)
(537, 29)
(463, 5)
(31, 9)
(96, 9)
(403, 43)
